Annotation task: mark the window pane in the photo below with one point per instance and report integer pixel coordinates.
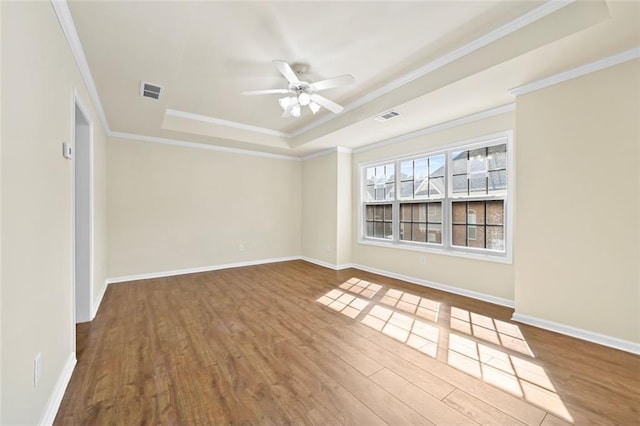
(420, 166)
(388, 212)
(460, 184)
(436, 187)
(370, 194)
(477, 160)
(389, 172)
(477, 232)
(477, 184)
(459, 162)
(497, 157)
(475, 212)
(369, 212)
(421, 188)
(380, 193)
(388, 233)
(495, 212)
(378, 213)
(420, 212)
(405, 212)
(434, 212)
(406, 170)
(406, 189)
(434, 233)
(378, 229)
(369, 229)
(495, 238)
(459, 212)
(420, 232)
(390, 195)
(379, 175)
(405, 231)
(436, 166)
(371, 174)
(498, 180)
(459, 235)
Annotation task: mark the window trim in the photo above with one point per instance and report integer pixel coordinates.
(446, 248)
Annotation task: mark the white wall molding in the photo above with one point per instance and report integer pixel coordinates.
(185, 144)
(590, 336)
(580, 71)
(185, 271)
(492, 112)
(340, 149)
(95, 306)
(53, 404)
(510, 27)
(437, 286)
(226, 123)
(326, 264)
(69, 28)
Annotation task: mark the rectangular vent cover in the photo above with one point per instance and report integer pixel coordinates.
(387, 116)
(149, 90)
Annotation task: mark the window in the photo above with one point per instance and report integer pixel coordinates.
(453, 200)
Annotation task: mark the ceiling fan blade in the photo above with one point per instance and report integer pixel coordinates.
(330, 105)
(330, 83)
(265, 92)
(286, 70)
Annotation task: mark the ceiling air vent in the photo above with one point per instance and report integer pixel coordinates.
(149, 90)
(387, 116)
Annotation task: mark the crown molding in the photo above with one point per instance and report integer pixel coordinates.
(510, 27)
(340, 149)
(63, 13)
(589, 68)
(439, 127)
(185, 144)
(226, 123)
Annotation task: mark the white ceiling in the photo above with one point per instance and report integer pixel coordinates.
(433, 61)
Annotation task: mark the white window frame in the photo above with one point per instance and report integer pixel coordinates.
(446, 248)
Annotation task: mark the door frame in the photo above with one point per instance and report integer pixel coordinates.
(77, 102)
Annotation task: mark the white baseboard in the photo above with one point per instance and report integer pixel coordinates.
(325, 264)
(175, 272)
(590, 336)
(96, 306)
(444, 287)
(53, 404)
(449, 289)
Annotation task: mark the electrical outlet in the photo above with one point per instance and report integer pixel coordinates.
(241, 247)
(423, 260)
(37, 369)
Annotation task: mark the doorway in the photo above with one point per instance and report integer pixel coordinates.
(83, 215)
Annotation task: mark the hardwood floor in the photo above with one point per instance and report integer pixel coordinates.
(295, 343)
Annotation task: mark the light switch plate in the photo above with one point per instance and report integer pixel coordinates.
(66, 150)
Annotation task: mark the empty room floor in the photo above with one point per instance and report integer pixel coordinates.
(295, 343)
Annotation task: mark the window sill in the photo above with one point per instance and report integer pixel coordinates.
(432, 250)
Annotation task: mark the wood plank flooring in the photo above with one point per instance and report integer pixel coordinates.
(295, 343)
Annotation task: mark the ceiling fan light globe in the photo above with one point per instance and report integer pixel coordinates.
(285, 102)
(303, 98)
(295, 111)
(314, 107)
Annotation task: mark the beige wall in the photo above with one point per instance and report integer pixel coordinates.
(485, 277)
(577, 245)
(38, 77)
(319, 207)
(172, 208)
(343, 208)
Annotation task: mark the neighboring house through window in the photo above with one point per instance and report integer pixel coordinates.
(453, 200)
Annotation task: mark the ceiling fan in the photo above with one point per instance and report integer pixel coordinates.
(301, 93)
